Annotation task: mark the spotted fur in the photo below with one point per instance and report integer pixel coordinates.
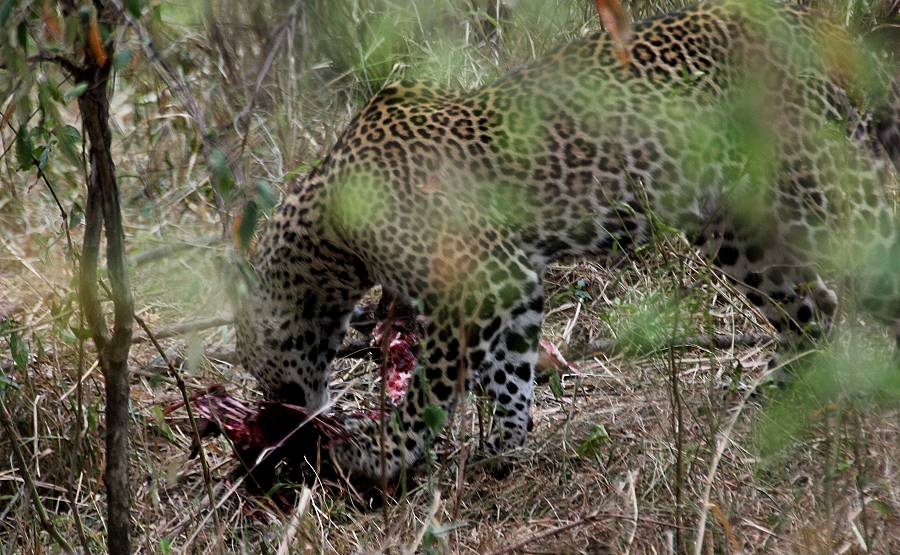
(751, 127)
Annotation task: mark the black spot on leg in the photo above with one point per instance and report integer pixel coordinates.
(754, 253)
(453, 372)
(287, 344)
(804, 314)
(753, 279)
(491, 329)
(433, 372)
(523, 371)
(509, 295)
(517, 343)
(442, 391)
(476, 357)
(755, 298)
(452, 350)
(728, 256)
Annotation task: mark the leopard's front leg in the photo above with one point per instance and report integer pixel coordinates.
(493, 319)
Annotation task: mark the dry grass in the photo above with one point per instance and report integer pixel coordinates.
(599, 472)
(597, 475)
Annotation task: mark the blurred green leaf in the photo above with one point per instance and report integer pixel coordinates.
(134, 7)
(123, 58)
(23, 100)
(159, 418)
(222, 176)
(434, 417)
(883, 508)
(92, 416)
(847, 374)
(69, 139)
(67, 337)
(81, 333)
(73, 29)
(247, 228)
(556, 385)
(19, 351)
(5, 10)
(24, 148)
(22, 36)
(75, 91)
(266, 198)
(43, 154)
(48, 97)
(6, 381)
(76, 215)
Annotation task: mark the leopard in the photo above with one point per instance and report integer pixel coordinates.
(761, 131)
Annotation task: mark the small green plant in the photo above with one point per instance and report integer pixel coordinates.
(592, 446)
(434, 417)
(18, 348)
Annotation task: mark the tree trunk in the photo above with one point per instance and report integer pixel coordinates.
(103, 211)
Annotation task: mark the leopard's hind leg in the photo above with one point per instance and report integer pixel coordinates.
(787, 289)
(788, 263)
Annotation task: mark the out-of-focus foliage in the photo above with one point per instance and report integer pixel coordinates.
(277, 80)
(847, 375)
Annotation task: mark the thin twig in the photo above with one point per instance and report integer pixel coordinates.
(166, 251)
(721, 444)
(677, 418)
(176, 83)
(426, 524)
(387, 330)
(67, 64)
(185, 328)
(461, 399)
(860, 460)
(284, 548)
(711, 341)
(179, 382)
(78, 450)
(46, 524)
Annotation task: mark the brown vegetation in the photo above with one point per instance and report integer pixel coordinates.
(645, 449)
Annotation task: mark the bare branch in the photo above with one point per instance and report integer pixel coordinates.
(198, 441)
(186, 327)
(103, 211)
(177, 85)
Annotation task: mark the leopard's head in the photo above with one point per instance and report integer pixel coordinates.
(280, 338)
